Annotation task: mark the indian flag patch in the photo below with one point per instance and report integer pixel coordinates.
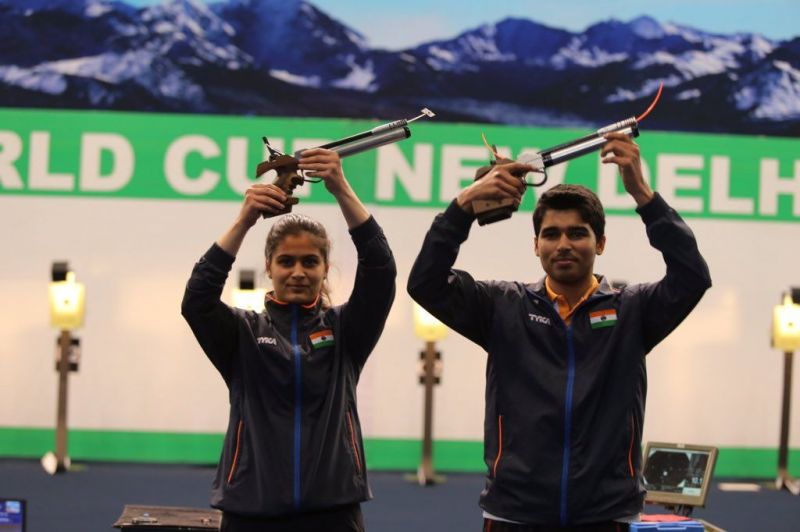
(603, 318)
(321, 338)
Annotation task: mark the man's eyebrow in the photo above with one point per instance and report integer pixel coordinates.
(560, 228)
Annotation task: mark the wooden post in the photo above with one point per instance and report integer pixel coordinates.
(425, 473)
(785, 480)
(65, 344)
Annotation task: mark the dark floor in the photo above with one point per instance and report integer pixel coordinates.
(91, 497)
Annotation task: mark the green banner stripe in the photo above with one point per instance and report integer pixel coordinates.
(382, 454)
(194, 448)
(201, 157)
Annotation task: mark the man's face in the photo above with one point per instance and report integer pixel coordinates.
(567, 246)
(297, 269)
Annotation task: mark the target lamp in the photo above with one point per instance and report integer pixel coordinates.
(67, 299)
(426, 327)
(786, 325)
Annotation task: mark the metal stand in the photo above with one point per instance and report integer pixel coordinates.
(59, 463)
(425, 474)
(785, 480)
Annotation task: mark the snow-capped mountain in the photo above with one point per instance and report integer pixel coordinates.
(770, 92)
(32, 32)
(125, 52)
(286, 57)
(295, 40)
(510, 41)
(188, 32)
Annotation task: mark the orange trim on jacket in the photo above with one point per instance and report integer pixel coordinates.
(630, 449)
(236, 453)
(274, 299)
(499, 445)
(353, 441)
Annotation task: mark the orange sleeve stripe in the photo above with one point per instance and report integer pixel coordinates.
(353, 441)
(499, 445)
(630, 449)
(236, 453)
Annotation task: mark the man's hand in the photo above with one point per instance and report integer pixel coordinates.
(261, 198)
(625, 154)
(501, 182)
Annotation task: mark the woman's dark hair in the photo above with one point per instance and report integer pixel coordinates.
(293, 224)
(572, 197)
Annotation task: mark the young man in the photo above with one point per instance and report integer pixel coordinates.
(565, 376)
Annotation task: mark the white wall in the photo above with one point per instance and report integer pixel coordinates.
(715, 380)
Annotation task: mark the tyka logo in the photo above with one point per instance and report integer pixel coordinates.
(539, 319)
(266, 340)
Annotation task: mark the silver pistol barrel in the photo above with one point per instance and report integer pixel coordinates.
(589, 143)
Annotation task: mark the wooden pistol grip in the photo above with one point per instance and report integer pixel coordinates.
(490, 211)
(287, 179)
(287, 208)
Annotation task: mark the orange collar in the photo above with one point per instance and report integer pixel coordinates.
(271, 297)
(564, 310)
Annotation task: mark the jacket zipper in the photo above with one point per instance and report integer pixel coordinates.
(499, 445)
(353, 441)
(298, 407)
(568, 397)
(567, 423)
(235, 460)
(567, 404)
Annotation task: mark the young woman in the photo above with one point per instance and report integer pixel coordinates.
(293, 458)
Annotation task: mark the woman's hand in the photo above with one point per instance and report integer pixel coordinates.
(261, 198)
(258, 199)
(327, 165)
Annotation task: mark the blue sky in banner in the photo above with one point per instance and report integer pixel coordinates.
(414, 21)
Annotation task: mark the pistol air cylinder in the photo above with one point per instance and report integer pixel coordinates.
(589, 143)
(366, 141)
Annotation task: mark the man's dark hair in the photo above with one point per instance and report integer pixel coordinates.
(572, 197)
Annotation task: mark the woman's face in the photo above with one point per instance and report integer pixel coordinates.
(297, 269)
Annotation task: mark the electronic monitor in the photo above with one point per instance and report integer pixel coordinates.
(12, 515)
(678, 474)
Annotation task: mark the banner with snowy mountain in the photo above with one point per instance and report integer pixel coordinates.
(289, 58)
